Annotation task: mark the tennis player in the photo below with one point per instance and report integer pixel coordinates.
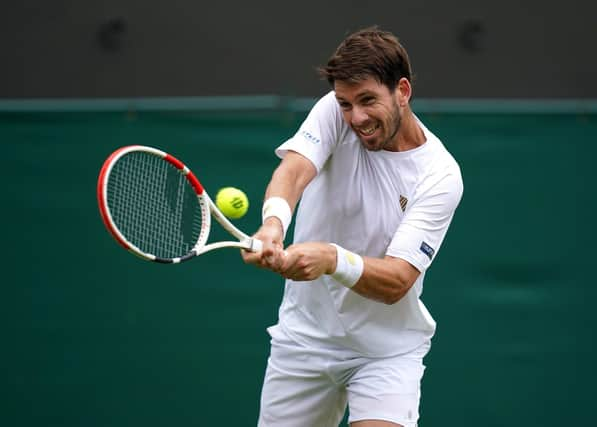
(377, 192)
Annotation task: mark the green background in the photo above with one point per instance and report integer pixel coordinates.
(92, 336)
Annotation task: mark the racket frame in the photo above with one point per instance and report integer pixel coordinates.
(207, 206)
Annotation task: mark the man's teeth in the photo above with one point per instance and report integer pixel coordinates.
(369, 130)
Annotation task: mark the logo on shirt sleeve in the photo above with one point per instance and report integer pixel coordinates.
(310, 137)
(427, 250)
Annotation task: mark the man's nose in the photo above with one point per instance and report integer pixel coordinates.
(359, 117)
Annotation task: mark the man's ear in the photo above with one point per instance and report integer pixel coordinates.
(403, 91)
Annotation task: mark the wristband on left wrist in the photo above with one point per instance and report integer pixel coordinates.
(349, 267)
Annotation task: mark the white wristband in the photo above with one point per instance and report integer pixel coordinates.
(278, 207)
(349, 267)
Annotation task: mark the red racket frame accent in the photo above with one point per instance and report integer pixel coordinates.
(100, 195)
(188, 174)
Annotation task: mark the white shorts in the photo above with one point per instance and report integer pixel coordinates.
(306, 387)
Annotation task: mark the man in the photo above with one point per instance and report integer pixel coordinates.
(378, 191)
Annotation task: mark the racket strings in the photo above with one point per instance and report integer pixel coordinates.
(153, 205)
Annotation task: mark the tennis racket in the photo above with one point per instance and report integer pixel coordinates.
(156, 208)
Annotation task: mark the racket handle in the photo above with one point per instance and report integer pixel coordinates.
(255, 245)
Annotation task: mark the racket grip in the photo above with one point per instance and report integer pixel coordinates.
(256, 245)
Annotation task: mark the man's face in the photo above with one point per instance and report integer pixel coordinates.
(372, 111)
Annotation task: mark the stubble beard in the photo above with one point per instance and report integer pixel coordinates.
(395, 122)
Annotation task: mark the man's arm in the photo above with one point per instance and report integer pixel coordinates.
(288, 182)
(290, 178)
(385, 280)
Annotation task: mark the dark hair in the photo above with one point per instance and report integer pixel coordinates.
(369, 52)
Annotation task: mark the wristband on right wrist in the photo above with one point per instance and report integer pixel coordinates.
(278, 207)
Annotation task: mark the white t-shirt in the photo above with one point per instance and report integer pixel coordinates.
(374, 203)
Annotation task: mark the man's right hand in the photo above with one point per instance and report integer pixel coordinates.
(271, 256)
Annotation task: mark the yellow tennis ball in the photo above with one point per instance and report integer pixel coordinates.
(232, 202)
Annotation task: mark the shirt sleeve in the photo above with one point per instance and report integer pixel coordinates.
(318, 135)
(424, 226)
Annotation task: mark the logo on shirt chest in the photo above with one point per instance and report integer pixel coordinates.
(403, 202)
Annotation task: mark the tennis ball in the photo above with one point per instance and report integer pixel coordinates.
(232, 202)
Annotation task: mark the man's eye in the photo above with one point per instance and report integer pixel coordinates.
(368, 100)
(345, 105)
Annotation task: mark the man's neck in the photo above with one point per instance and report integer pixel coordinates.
(410, 134)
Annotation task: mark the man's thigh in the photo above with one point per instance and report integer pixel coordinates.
(297, 391)
(387, 390)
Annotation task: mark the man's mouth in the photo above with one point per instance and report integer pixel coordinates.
(369, 130)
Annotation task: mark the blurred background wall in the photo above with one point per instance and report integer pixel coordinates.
(126, 48)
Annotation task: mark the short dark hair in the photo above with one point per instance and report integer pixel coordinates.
(369, 52)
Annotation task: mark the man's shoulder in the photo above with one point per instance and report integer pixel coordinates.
(437, 156)
(327, 101)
